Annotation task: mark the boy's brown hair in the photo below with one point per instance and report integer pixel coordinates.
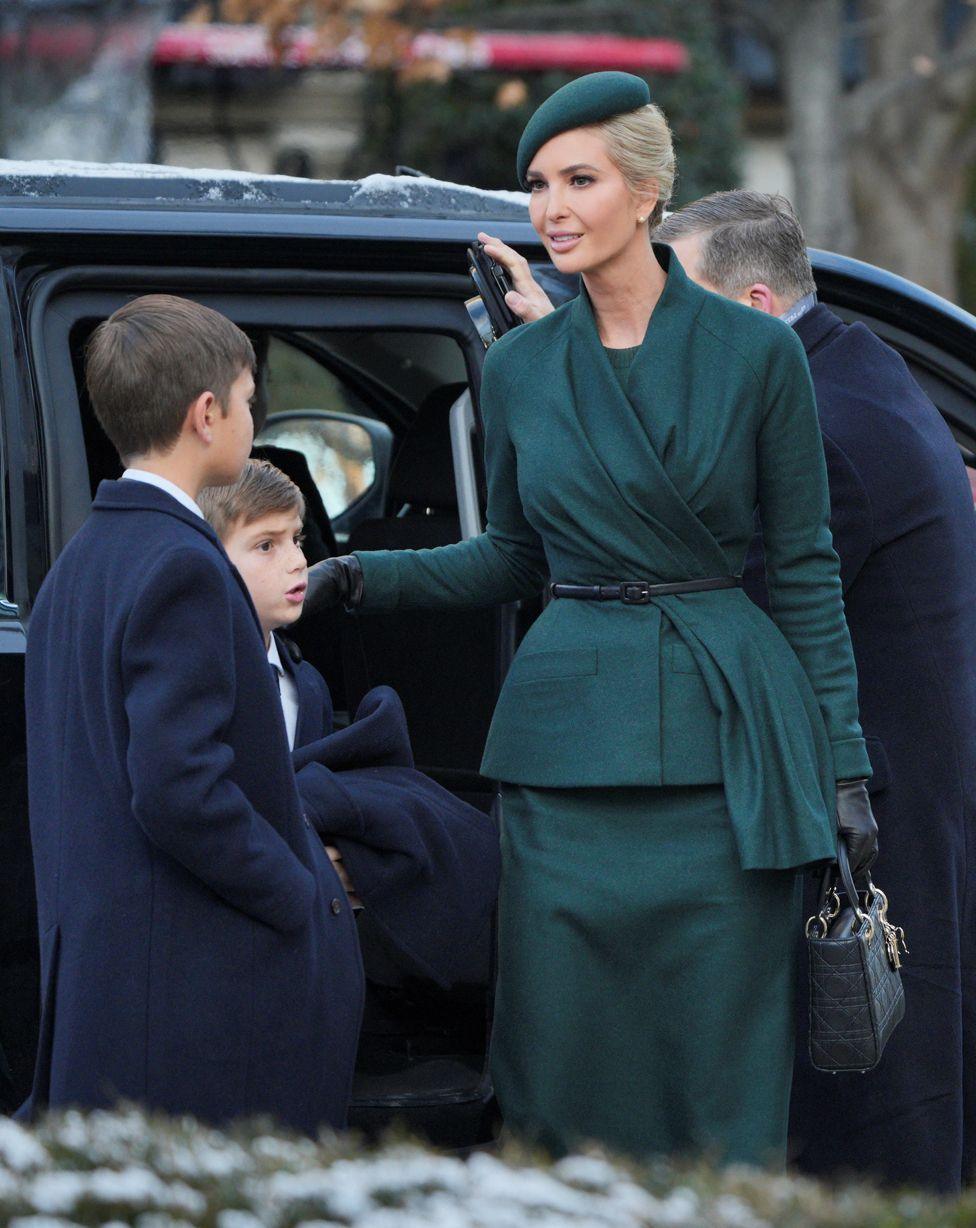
(150, 360)
(261, 490)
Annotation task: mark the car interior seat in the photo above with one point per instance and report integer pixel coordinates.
(443, 663)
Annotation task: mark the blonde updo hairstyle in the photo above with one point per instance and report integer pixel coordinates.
(640, 146)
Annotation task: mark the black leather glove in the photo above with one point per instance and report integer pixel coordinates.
(333, 582)
(856, 824)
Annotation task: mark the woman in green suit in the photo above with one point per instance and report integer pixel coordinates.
(669, 754)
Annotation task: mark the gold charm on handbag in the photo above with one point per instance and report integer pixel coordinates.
(894, 935)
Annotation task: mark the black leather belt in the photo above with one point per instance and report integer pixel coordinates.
(640, 592)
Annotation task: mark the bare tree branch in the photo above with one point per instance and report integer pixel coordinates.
(952, 74)
(867, 100)
(864, 27)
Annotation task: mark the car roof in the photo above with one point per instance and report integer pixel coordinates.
(126, 186)
(48, 197)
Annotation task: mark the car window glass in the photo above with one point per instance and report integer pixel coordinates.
(339, 455)
(319, 385)
(410, 365)
(295, 380)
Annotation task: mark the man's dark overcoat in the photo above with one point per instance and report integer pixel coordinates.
(425, 863)
(903, 525)
(198, 953)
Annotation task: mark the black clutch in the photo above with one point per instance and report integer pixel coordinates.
(856, 994)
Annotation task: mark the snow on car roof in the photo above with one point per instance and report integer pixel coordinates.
(122, 182)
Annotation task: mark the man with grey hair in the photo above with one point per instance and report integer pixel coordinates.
(903, 525)
(746, 246)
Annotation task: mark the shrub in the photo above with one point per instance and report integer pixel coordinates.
(151, 1172)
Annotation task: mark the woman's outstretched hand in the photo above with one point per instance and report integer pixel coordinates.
(333, 582)
(528, 300)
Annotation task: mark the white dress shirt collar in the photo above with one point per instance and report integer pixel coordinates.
(274, 656)
(153, 479)
(287, 692)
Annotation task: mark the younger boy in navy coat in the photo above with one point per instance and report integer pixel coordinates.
(195, 941)
(424, 863)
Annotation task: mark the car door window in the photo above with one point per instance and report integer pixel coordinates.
(312, 410)
(296, 380)
(340, 454)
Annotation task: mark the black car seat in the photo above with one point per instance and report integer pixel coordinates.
(421, 1046)
(443, 663)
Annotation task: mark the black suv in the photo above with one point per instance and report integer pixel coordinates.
(353, 294)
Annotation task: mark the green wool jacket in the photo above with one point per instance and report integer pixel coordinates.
(591, 483)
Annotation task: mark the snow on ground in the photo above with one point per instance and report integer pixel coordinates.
(19, 1151)
(127, 1170)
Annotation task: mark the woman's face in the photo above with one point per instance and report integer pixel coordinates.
(581, 205)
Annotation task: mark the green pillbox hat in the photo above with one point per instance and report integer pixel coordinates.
(587, 100)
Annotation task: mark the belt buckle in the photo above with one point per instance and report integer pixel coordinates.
(635, 592)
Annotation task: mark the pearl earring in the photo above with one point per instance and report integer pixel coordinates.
(642, 220)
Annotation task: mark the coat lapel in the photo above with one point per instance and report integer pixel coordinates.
(311, 715)
(645, 421)
(135, 496)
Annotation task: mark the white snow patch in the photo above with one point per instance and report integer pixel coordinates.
(9, 1185)
(60, 1192)
(284, 1151)
(54, 1192)
(19, 1150)
(590, 1172)
(203, 1159)
(42, 1221)
(732, 1212)
(132, 170)
(406, 185)
(235, 1219)
(403, 189)
(681, 1208)
(158, 1219)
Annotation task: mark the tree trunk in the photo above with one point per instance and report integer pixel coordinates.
(912, 141)
(909, 229)
(811, 39)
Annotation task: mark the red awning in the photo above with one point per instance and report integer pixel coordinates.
(247, 46)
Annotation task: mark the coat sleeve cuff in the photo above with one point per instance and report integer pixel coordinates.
(381, 579)
(330, 808)
(851, 760)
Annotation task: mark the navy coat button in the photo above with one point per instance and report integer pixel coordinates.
(336, 907)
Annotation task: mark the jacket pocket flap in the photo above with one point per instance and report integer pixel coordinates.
(560, 663)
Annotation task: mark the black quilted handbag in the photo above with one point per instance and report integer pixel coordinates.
(856, 994)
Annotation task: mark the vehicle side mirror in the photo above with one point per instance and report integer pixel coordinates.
(348, 456)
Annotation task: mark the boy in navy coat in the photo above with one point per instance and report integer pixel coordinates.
(424, 863)
(197, 950)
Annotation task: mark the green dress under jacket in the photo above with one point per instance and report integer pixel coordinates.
(589, 483)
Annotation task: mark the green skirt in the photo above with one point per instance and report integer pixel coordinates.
(645, 995)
